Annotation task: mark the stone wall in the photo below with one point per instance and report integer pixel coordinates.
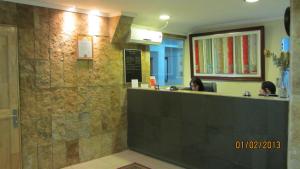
(71, 110)
(294, 120)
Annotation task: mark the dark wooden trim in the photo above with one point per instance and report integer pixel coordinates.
(254, 79)
(262, 43)
(229, 31)
(262, 59)
(191, 55)
(175, 36)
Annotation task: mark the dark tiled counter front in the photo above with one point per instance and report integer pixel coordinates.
(200, 130)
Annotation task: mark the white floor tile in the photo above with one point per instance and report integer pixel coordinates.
(122, 159)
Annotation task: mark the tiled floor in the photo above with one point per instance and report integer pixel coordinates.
(124, 158)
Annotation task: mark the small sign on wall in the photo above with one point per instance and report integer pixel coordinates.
(132, 65)
(85, 47)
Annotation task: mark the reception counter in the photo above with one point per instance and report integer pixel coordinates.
(199, 130)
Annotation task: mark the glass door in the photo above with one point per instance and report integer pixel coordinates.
(167, 62)
(173, 66)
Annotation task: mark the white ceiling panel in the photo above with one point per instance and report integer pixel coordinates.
(186, 15)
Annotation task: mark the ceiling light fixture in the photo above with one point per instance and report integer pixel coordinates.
(251, 1)
(164, 17)
(94, 12)
(72, 9)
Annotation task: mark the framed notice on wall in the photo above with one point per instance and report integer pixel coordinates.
(235, 55)
(132, 65)
(85, 47)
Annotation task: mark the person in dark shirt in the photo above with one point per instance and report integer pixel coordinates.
(196, 84)
(267, 89)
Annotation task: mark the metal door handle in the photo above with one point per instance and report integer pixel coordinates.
(167, 71)
(15, 118)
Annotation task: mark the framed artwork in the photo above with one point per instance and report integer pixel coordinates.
(235, 55)
(85, 47)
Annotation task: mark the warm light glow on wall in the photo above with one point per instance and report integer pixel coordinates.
(94, 23)
(69, 22)
(94, 12)
(72, 9)
(251, 1)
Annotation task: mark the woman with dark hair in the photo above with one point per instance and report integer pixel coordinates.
(267, 89)
(196, 84)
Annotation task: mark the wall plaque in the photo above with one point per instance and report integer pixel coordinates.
(85, 47)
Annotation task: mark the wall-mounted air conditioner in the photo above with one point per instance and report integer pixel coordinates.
(144, 36)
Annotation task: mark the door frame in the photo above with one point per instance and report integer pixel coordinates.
(15, 68)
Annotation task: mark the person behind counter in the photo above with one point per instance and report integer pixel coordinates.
(267, 89)
(196, 84)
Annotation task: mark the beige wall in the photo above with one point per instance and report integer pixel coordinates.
(71, 110)
(274, 32)
(294, 114)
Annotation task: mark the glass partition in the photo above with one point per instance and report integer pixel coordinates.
(166, 62)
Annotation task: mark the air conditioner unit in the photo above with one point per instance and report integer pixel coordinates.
(144, 36)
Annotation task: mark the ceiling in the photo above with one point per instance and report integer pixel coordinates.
(187, 16)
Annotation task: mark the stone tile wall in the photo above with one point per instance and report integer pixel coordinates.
(71, 110)
(294, 119)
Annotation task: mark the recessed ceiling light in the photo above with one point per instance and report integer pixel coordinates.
(94, 12)
(251, 1)
(72, 9)
(164, 17)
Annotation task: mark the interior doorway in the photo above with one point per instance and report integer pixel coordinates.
(166, 62)
(10, 156)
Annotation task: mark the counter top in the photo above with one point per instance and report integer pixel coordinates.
(215, 94)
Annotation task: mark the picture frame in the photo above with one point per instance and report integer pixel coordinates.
(84, 47)
(233, 55)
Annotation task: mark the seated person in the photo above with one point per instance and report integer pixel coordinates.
(196, 84)
(267, 89)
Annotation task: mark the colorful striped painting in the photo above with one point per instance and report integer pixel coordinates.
(208, 54)
(203, 56)
(238, 54)
(253, 54)
(230, 55)
(218, 55)
(223, 55)
(227, 55)
(246, 54)
(197, 66)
